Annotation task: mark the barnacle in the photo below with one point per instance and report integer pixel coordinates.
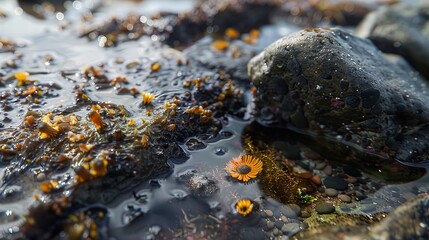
(232, 33)
(73, 137)
(47, 131)
(29, 120)
(131, 122)
(155, 67)
(96, 119)
(145, 141)
(82, 173)
(244, 168)
(244, 207)
(21, 77)
(220, 45)
(118, 134)
(85, 147)
(98, 167)
(147, 98)
(48, 186)
(171, 127)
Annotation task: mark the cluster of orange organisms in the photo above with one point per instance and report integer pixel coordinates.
(90, 71)
(90, 170)
(231, 34)
(205, 115)
(51, 126)
(252, 37)
(147, 98)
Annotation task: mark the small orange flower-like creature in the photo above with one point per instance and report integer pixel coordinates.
(147, 97)
(244, 207)
(244, 168)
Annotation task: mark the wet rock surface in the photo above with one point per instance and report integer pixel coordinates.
(332, 84)
(401, 29)
(87, 151)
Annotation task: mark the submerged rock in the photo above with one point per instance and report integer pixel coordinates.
(409, 221)
(329, 83)
(401, 29)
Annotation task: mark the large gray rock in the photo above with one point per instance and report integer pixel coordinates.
(402, 29)
(329, 83)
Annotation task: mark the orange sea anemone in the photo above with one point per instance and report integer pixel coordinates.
(244, 167)
(244, 207)
(147, 98)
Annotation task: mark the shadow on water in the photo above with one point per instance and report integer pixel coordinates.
(386, 169)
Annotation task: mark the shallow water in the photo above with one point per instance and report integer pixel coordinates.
(164, 204)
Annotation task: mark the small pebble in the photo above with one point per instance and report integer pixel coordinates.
(305, 214)
(316, 180)
(351, 179)
(41, 177)
(288, 212)
(284, 219)
(270, 225)
(305, 175)
(295, 208)
(312, 155)
(331, 192)
(328, 170)
(276, 232)
(269, 213)
(336, 183)
(345, 198)
(320, 166)
(325, 208)
(278, 224)
(277, 214)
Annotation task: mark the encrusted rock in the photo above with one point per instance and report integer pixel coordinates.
(401, 29)
(202, 186)
(330, 83)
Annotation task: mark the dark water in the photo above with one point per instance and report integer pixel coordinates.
(160, 204)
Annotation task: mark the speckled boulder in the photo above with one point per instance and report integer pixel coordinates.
(329, 83)
(402, 29)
